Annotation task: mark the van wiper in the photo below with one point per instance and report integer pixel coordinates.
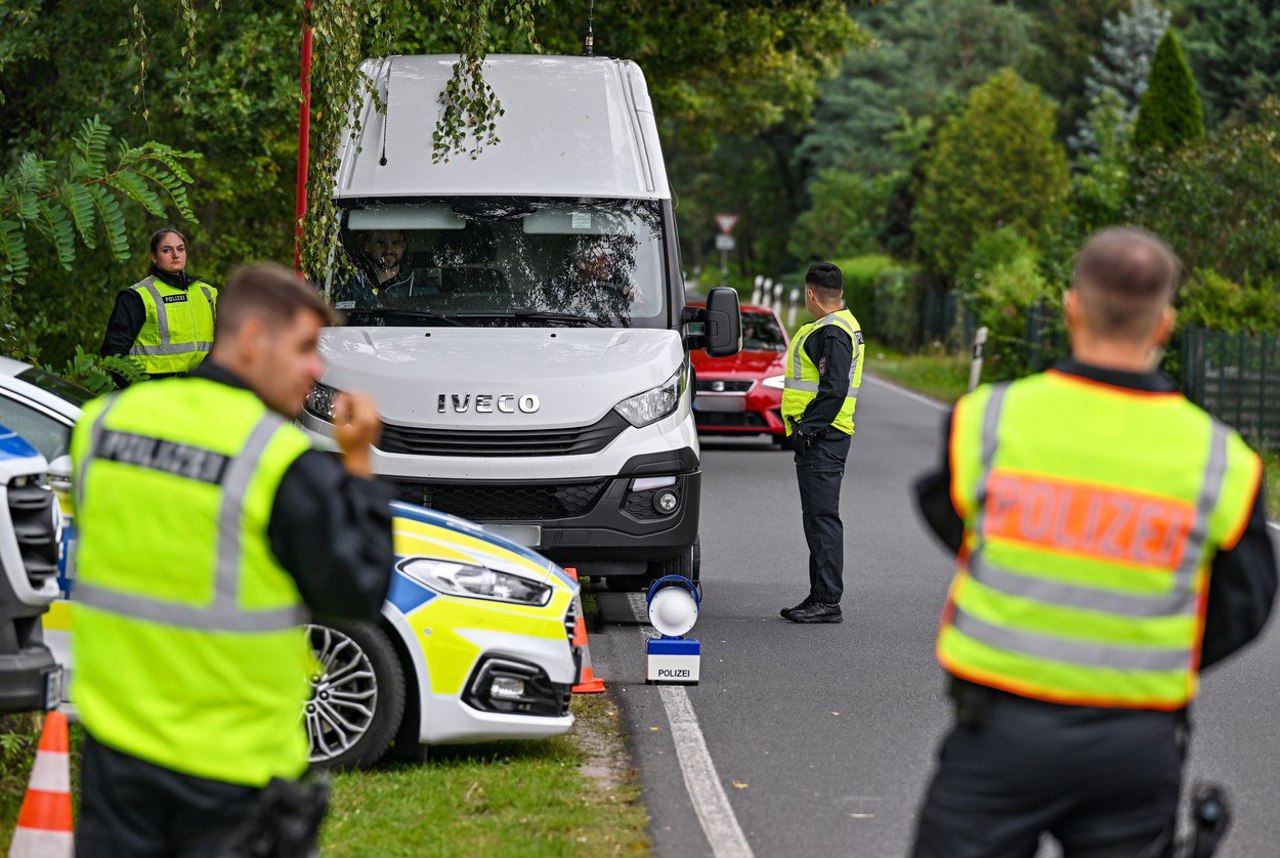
(535, 316)
(407, 312)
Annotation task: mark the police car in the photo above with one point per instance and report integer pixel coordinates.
(474, 641)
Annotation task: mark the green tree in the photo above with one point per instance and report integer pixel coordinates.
(1234, 47)
(846, 216)
(925, 58)
(1217, 201)
(996, 164)
(1170, 114)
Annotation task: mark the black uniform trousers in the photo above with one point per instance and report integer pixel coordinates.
(819, 471)
(130, 808)
(1102, 782)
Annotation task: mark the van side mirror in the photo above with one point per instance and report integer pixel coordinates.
(721, 323)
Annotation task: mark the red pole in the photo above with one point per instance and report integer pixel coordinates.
(304, 134)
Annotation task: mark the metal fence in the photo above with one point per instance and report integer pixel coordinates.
(1236, 378)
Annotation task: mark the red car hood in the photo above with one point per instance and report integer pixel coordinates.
(744, 363)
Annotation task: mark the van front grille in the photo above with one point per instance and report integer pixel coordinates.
(579, 441)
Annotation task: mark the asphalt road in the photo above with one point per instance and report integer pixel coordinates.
(824, 736)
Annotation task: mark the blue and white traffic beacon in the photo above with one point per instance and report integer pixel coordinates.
(673, 609)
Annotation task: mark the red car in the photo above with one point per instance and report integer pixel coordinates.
(731, 396)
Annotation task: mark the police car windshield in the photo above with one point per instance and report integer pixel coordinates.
(487, 261)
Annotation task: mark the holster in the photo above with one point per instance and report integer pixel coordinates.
(285, 823)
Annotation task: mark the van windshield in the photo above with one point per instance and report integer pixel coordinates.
(504, 261)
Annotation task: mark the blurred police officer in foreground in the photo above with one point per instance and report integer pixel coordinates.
(1112, 543)
(824, 369)
(164, 321)
(208, 525)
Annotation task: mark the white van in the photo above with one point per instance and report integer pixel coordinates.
(520, 317)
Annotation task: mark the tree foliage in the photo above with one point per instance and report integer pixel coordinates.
(996, 164)
(1234, 47)
(81, 200)
(1170, 114)
(1217, 201)
(1119, 71)
(925, 58)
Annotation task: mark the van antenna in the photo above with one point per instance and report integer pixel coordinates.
(589, 45)
(386, 116)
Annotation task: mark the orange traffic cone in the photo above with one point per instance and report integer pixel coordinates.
(44, 822)
(588, 683)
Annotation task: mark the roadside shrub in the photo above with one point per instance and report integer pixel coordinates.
(897, 308)
(844, 217)
(860, 276)
(1217, 201)
(1002, 285)
(1209, 300)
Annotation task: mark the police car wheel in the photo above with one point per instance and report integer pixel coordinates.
(357, 695)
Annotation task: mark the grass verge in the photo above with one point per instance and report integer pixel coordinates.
(574, 795)
(933, 372)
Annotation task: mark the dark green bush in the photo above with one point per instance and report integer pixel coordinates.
(860, 276)
(897, 308)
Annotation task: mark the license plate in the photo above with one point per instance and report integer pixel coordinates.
(719, 404)
(54, 686)
(528, 535)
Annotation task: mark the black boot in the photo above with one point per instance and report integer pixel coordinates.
(787, 612)
(817, 612)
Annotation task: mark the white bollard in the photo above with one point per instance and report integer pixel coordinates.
(766, 294)
(975, 368)
(791, 313)
(777, 297)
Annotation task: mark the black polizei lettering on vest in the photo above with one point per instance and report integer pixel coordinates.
(179, 460)
(174, 299)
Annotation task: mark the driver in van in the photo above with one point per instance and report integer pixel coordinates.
(382, 272)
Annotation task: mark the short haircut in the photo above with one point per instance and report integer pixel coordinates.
(825, 279)
(270, 293)
(159, 234)
(1125, 277)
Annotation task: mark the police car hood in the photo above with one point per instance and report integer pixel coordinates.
(518, 378)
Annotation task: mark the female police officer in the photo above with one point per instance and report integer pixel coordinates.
(164, 321)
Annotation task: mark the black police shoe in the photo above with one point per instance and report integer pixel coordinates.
(817, 612)
(787, 612)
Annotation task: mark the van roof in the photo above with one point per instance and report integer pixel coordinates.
(573, 127)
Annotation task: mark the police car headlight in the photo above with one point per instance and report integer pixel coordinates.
(320, 401)
(777, 382)
(475, 582)
(656, 403)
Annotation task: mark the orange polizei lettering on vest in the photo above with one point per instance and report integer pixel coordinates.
(1093, 520)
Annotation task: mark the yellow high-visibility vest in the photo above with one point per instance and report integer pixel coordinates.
(188, 648)
(801, 384)
(1092, 514)
(178, 332)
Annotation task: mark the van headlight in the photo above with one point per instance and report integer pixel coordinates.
(656, 403)
(320, 401)
(475, 582)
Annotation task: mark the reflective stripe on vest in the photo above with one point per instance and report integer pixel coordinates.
(1075, 584)
(223, 615)
(167, 346)
(795, 379)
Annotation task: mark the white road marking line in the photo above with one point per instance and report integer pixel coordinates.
(701, 780)
(910, 394)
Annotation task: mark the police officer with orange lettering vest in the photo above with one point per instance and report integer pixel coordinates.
(824, 369)
(164, 321)
(1111, 542)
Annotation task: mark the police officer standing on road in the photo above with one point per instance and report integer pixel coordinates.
(824, 369)
(164, 321)
(1112, 542)
(207, 524)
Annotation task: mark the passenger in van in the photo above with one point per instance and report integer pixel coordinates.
(382, 271)
(597, 279)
